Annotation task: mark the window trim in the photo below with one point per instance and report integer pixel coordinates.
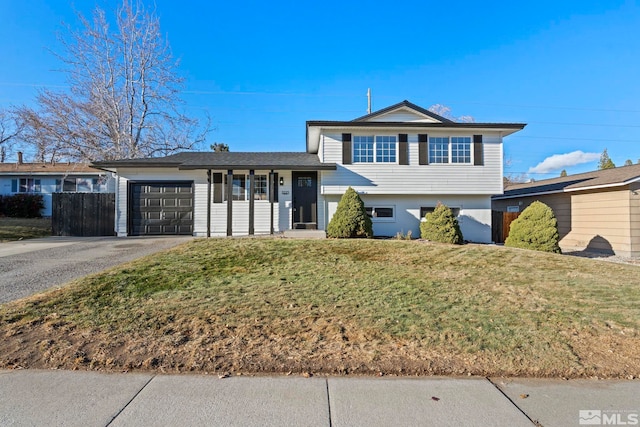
(36, 184)
(245, 187)
(375, 149)
(375, 218)
(450, 150)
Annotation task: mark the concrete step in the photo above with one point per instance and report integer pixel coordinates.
(305, 234)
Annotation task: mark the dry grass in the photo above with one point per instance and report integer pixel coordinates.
(24, 228)
(338, 307)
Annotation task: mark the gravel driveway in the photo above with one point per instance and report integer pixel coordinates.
(31, 266)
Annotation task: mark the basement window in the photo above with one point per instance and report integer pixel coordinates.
(428, 209)
(381, 213)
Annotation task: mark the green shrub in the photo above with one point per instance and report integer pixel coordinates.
(441, 226)
(22, 205)
(536, 228)
(350, 219)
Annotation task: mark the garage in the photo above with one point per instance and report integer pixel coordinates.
(161, 208)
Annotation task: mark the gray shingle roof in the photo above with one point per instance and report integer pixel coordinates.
(228, 160)
(600, 178)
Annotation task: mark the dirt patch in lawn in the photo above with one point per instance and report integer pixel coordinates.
(340, 308)
(326, 348)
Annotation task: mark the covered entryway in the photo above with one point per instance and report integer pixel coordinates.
(305, 200)
(161, 208)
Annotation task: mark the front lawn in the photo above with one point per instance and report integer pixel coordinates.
(338, 307)
(23, 228)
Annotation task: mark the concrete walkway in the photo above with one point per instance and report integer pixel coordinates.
(67, 398)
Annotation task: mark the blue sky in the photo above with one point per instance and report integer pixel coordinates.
(569, 69)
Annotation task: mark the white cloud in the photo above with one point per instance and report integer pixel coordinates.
(558, 162)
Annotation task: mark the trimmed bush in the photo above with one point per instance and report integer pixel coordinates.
(536, 228)
(350, 219)
(441, 226)
(22, 205)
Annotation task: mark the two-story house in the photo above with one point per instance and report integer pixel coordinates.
(402, 160)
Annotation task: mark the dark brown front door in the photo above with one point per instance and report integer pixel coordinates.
(305, 199)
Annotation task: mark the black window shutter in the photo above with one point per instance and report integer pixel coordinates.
(423, 149)
(478, 150)
(346, 148)
(217, 187)
(403, 149)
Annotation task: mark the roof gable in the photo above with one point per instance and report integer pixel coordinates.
(404, 111)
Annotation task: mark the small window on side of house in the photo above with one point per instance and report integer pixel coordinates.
(380, 213)
(513, 208)
(428, 209)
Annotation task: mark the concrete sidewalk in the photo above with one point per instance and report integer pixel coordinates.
(67, 398)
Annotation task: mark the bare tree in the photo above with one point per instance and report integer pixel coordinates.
(445, 111)
(123, 100)
(10, 130)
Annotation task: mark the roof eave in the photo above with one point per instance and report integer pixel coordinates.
(324, 166)
(341, 124)
(515, 196)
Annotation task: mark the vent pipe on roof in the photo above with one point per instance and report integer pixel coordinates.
(369, 101)
(19, 157)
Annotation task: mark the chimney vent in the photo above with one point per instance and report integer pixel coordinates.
(19, 157)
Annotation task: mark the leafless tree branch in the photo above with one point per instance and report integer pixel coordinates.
(123, 100)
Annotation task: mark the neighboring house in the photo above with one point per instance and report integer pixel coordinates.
(49, 178)
(402, 160)
(596, 211)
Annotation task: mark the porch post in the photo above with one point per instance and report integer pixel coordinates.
(208, 202)
(252, 202)
(271, 198)
(229, 204)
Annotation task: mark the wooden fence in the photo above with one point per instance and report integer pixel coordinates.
(500, 225)
(83, 214)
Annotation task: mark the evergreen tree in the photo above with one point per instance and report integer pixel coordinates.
(350, 219)
(536, 228)
(441, 226)
(605, 161)
(563, 173)
(628, 162)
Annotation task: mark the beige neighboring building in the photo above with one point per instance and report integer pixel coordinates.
(596, 211)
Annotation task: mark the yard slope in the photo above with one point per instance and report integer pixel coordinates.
(337, 307)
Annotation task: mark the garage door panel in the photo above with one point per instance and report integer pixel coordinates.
(161, 208)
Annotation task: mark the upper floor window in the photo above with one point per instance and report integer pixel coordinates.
(439, 149)
(460, 149)
(363, 149)
(378, 149)
(456, 149)
(26, 185)
(386, 149)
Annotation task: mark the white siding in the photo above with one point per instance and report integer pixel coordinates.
(285, 205)
(403, 116)
(474, 216)
(376, 178)
(198, 177)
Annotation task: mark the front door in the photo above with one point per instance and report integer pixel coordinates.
(305, 200)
